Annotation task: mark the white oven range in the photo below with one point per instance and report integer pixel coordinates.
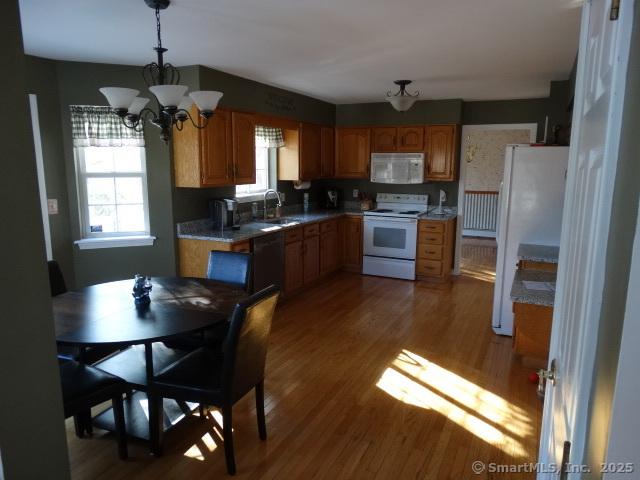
(391, 234)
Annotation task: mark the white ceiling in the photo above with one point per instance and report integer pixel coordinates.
(342, 51)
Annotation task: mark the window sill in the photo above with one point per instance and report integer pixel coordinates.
(115, 242)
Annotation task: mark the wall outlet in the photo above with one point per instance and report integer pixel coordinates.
(52, 206)
(356, 192)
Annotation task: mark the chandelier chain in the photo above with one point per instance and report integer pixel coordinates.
(158, 27)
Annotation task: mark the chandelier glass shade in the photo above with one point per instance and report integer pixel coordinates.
(173, 103)
(402, 100)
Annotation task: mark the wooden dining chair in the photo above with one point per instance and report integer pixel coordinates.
(83, 387)
(220, 379)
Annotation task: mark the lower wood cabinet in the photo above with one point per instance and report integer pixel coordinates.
(434, 256)
(532, 331)
(193, 255)
(351, 234)
(293, 266)
(311, 254)
(329, 247)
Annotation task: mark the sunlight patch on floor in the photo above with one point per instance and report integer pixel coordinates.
(415, 381)
(195, 450)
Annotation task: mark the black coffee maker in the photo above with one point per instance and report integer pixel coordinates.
(332, 198)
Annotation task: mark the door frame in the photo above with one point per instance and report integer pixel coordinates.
(466, 130)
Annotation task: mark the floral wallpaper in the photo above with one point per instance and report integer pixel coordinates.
(486, 150)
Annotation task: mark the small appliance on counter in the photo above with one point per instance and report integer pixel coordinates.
(332, 199)
(224, 213)
(443, 199)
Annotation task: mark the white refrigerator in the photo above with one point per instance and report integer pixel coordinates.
(531, 199)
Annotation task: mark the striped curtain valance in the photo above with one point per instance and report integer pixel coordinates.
(96, 126)
(269, 137)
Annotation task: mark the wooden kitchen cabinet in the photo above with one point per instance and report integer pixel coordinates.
(384, 139)
(204, 158)
(410, 139)
(329, 247)
(434, 255)
(293, 266)
(353, 152)
(532, 331)
(311, 253)
(351, 236)
(441, 152)
(327, 152)
(310, 151)
(244, 147)
(193, 255)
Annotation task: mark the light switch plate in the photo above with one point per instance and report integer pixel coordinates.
(356, 192)
(52, 206)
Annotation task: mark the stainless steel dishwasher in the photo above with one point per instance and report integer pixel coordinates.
(268, 261)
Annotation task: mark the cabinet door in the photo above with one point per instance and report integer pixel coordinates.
(411, 139)
(440, 162)
(187, 148)
(293, 266)
(352, 242)
(216, 158)
(328, 252)
(353, 152)
(385, 139)
(311, 259)
(327, 152)
(309, 151)
(244, 147)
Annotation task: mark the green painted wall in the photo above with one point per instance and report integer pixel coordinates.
(32, 433)
(42, 78)
(382, 113)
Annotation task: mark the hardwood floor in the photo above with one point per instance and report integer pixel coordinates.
(368, 378)
(478, 258)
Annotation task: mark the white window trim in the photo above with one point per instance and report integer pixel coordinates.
(115, 242)
(92, 240)
(273, 180)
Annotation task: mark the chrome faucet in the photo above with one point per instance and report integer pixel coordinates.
(271, 190)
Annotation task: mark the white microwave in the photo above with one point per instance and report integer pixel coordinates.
(400, 168)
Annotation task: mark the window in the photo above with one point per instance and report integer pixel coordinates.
(112, 187)
(268, 139)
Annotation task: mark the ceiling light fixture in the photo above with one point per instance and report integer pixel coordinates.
(402, 100)
(162, 79)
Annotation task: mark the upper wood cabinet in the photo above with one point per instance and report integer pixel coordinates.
(222, 153)
(327, 152)
(411, 139)
(203, 158)
(244, 147)
(352, 152)
(384, 139)
(310, 151)
(441, 152)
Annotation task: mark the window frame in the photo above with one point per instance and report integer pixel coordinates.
(272, 182)
(83, 201)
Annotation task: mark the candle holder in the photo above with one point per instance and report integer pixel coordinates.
(141, 288)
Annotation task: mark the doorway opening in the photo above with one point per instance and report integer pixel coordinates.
(482, 158)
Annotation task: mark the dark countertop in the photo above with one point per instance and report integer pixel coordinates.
(202, 230)
(521, 294)
(447, 214)
(538, 253)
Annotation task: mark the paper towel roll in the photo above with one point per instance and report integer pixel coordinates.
(301, 185)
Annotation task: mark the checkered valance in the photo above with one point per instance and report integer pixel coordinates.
(269, 137)
(95, 126)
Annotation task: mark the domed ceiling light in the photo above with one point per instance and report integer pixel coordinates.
(162, 79)
(402, 100)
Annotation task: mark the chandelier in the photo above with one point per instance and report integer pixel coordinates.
(402, 100)
(163, 81)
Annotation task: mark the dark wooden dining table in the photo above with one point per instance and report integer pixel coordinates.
(105, 314)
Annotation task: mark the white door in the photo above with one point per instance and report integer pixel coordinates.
(602, 65)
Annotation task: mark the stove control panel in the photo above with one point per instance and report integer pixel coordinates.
(402, 198)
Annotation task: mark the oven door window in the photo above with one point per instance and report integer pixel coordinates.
(386, 237)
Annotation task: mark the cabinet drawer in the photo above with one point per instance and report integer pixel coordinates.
(430, 238)
(430, 252)
(431, 227)
(329, 226)
(429, 267)
(311, 230)
(293, 235)
(241, 247)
